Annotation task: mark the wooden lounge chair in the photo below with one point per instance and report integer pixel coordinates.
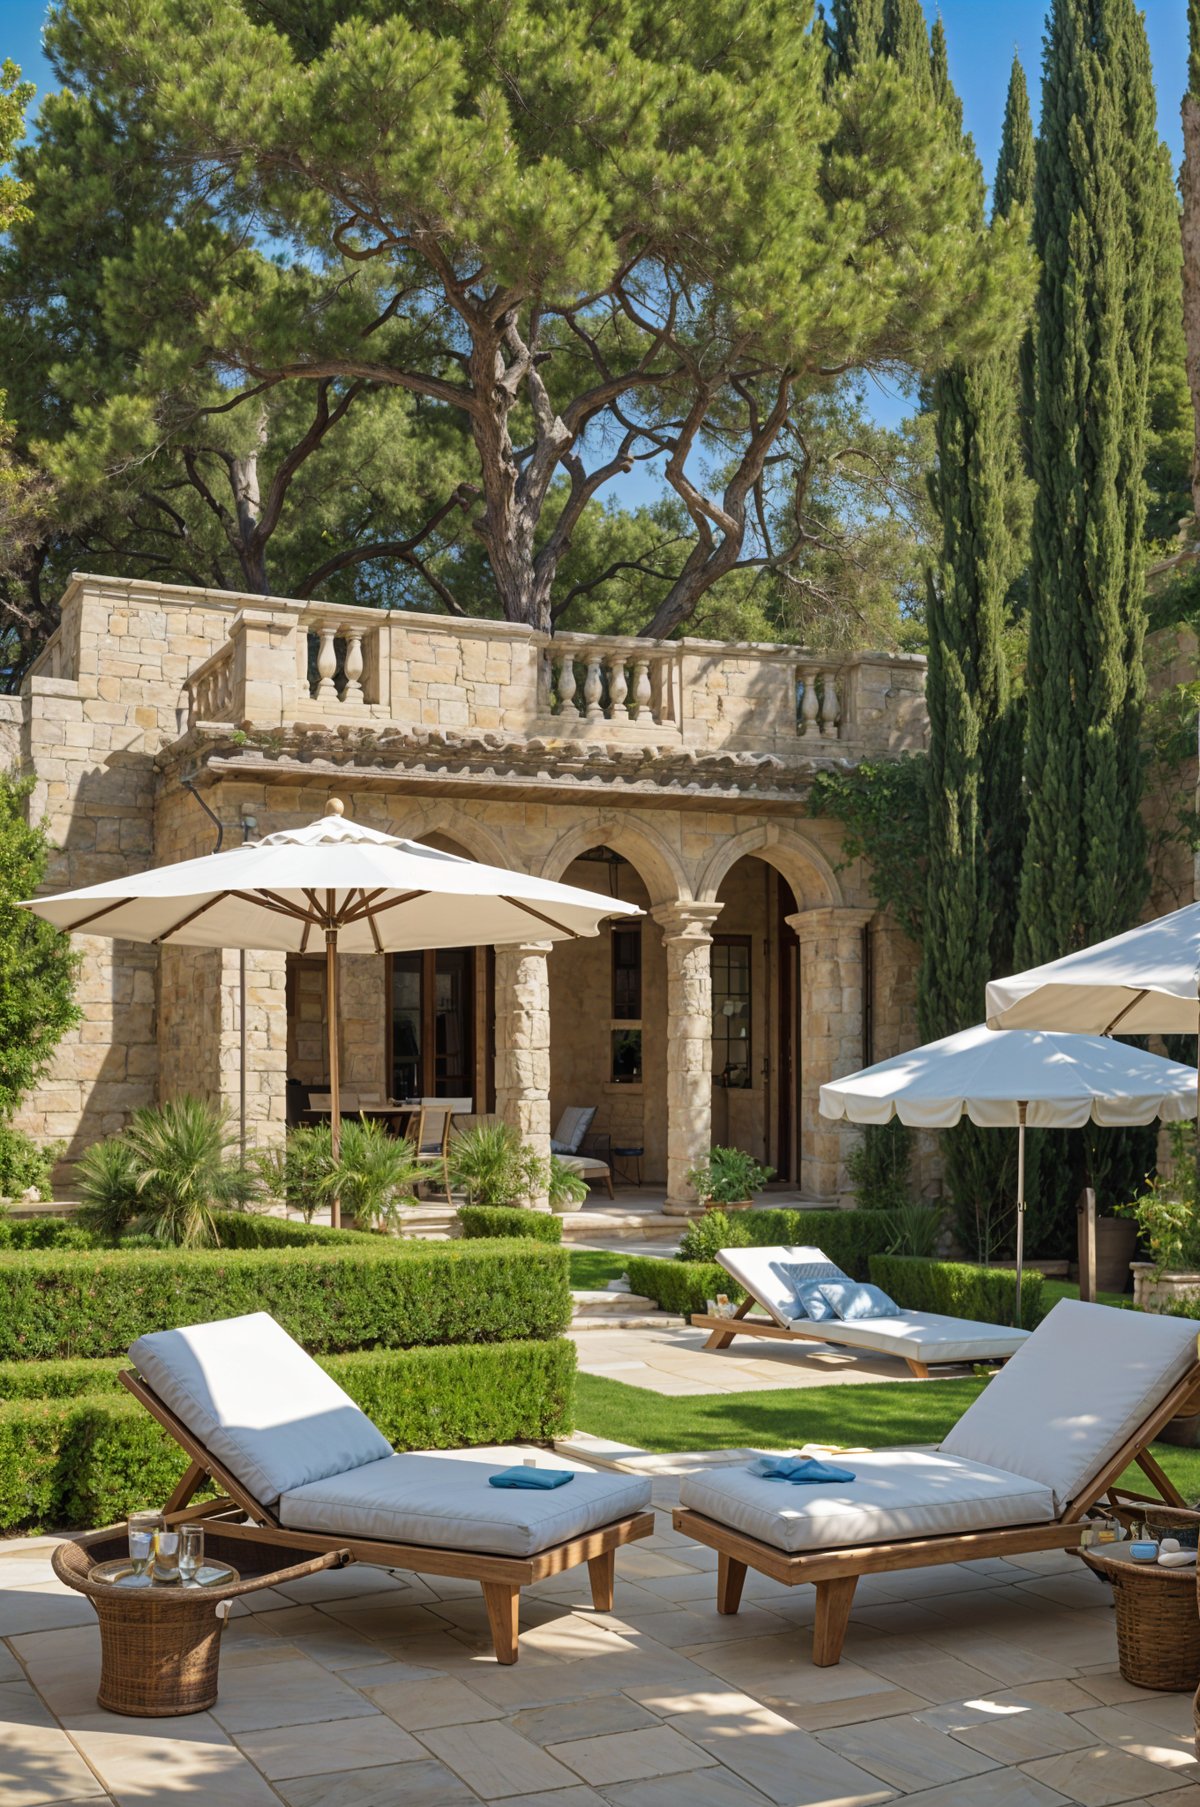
(300, 1466)
(1046, 1441)
(923, 1339)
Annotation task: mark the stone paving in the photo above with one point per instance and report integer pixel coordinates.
(673, 1360)
(988, 1684)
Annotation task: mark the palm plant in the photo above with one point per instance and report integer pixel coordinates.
(180, 1157)
(106, 1177)
(494, 1167)
(374, 1176)
(296, 1173)
(566, 1187)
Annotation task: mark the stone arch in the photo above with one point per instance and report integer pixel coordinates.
(467, 834)
(651, 856)
(803, 865)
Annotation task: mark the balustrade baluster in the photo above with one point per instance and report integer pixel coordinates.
(810, 703)
(353, 693)
(830, 712)
(326, 690)
(566, 687)
(643, 694)
(618, 688)
(593, 690)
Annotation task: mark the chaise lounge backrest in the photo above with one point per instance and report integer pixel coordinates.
(262, 1407)
(764, 1274)
(1075, 1391)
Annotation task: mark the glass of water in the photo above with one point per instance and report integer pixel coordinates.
(166, 1556)
(143, 1528)
(191, 1552)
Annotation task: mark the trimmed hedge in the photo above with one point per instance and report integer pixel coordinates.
(681, 1286)
(960, 1289)
(46, 1233)
(849, 1238)
(372, 1294)
(236, 1229)
(480, 1221)
(88, 1458)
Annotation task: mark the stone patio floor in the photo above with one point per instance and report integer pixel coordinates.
(989, 1684)
(673, 1360)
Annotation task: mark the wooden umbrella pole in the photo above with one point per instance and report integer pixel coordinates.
(1021, 1109)
(331, 1011)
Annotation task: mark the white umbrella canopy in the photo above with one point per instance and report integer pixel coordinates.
(336, 881)
(1143, 982)
(1012, 1079)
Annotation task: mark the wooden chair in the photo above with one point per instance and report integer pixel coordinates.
(431, 1141)
(1020, 1417)
(224, 1353)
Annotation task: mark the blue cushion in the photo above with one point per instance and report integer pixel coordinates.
(797, 1274)
(811, 1300)
(851, 1301)
(533, 1478)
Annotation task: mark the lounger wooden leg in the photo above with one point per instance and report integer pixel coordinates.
(721, 1339)
(730, 1577)
(918, 1368)
(503, 1607)
(192, 1479)
(834, 1600)
(602, 1573)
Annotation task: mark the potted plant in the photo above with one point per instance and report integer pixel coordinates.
(728, 1179)
(494, 1167)
(1165, 1217)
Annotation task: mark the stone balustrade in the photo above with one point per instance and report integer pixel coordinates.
(211, 689)
(818, 702)
(593, 681)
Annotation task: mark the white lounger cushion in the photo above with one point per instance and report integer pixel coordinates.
(760, 1271)
(924, 1336)
(896, 1493)
(447, 1503)
(258, 1403)
(1084, 1382)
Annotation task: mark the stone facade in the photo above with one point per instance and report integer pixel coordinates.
(689, 762)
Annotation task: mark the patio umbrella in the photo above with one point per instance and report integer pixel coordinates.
(1014, 1079)
(359, 890)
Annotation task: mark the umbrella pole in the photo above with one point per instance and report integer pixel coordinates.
(1022, 1108)
(335, 1103)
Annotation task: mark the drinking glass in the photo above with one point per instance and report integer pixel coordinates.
(166, 1556)
(191, 1552)
(143, 1527)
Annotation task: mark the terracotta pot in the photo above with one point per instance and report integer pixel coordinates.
(1116, 1246)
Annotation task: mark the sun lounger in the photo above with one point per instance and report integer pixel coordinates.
(923, 1339)
(295, 1457)
(1048, 1438)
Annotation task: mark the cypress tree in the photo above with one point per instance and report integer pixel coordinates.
(1097, 207)
(973, 771)
(905, 38)
(853, 31)
(1013, 188)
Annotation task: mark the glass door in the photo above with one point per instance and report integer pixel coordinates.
(433, 1023)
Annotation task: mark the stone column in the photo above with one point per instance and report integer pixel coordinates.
(831, 1029)
(200, 1034)
(523, 1046)
(686, 934)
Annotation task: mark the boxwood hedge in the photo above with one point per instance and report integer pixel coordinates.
(481, 1221)
(377, 1293)
(959, 1289)
(681, 1286)
(86, 1453)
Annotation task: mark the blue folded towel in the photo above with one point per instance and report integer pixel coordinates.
(531, 1477)
(801, 1471)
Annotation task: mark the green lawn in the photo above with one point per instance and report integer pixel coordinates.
(592, 1269)
(876, 1416)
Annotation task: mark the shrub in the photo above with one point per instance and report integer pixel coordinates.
(74, 1457)
(165, 1174)
(374, 1174)
(565, 1186)
(916, 1229)
(37, 964)
(345, 1296)
(25, 1165)
(46, 1233)
(715, 1230)
(1165, 1213)
(960, 1290)
(728, 1176)
(295, 1173)
(880, 1167)
(508, 1220)
(255, 1230)
(493, 1166)
(107, 1184)
(680, 1286)
(849, 1238)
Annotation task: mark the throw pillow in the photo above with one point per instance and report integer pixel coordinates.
(811, 1300)
(852, 1301)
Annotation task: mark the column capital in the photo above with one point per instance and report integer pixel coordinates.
(524, 947)
(829, 919)
(689, 921)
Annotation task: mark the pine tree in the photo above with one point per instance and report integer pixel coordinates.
(973, 771)
(1097, 209)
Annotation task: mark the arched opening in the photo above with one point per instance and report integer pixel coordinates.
(756, 1016)
(608, 1019)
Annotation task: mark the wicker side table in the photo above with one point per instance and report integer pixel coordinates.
(160, 1646)
(1158, 1626)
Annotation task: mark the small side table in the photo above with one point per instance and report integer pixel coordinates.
(626, 1174)
(1158, 1627)
(160, 1646)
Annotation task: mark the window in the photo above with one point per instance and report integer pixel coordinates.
(730, 964)
(433, 1023)
(627, 973)
(626, 1056)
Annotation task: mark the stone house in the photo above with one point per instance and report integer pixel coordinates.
(672, 774)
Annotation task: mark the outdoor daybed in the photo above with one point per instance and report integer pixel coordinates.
(923, 1339)
(1050, 1435)
(300, 1465)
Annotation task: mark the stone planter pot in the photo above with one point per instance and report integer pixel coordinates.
(1156, 1291)
(573, 1204)
(739, 1204)
(1116, 1246)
